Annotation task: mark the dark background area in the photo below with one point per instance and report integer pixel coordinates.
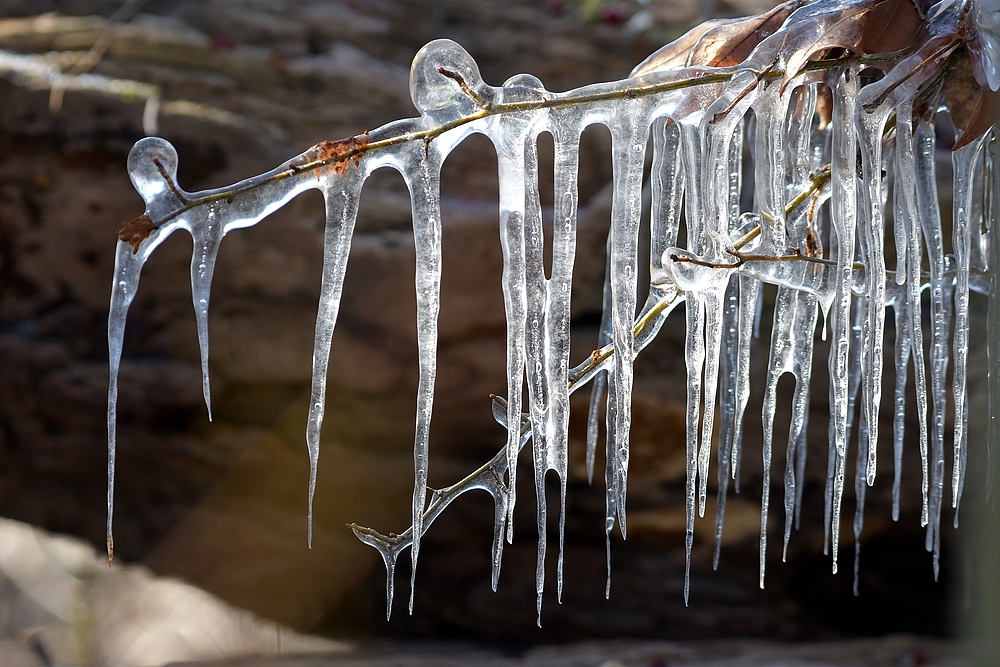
(223, 504)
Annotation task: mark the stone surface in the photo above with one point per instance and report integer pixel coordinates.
(60, 604)
(898, 651)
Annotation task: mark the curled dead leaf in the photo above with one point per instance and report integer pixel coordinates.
(730, 44)
(136, 230)
(863, 27)
(675, 54)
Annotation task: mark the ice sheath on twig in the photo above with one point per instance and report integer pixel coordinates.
(837, 102)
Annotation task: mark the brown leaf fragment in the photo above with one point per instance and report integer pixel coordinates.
(891, 26)
(984, 116)
(824, 105)
(136, 230)
(812, 244)
(864, 28)
(341, 152)
(730, 44)
(675, 54)
(961, 91)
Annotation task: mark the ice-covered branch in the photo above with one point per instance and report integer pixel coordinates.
(823, 99)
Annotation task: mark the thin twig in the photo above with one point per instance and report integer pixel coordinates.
(630, 92)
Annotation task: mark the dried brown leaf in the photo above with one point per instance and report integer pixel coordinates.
(676, 53)
(730, 44)
(891, 26)
(135, 231)
(824, 105)
(867, 27)
(961, 91)
(985, 115)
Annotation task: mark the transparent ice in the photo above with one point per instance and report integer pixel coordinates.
(823, 189)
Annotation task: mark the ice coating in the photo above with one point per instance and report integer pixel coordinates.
(814, 227)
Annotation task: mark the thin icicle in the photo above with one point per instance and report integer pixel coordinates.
(424, 183)
(510, 141)
(629, 131)
(206, 249)
(127, 268)
(600, 382)
(537, 348)
(727, 408)
(341, 197)
(844, 208)
(910, 326)
(720, 202)
(749, 298)
(930, 221)
(729, 354)
(860, 492)
(992, 189)
(566, 136)
(871, 230)
(964, 162)
(694, 357)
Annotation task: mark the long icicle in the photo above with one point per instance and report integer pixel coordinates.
(425, 183)
(964, 163)
(844, 205)
(341, 196)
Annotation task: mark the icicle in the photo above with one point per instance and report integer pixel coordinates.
(424, 181)
(901, 346)
(727, 407)
(769, 181)
(860, 491)
(566, 137)
(729, 355)
(629, 129)
(992, 189)
(844, 210)
(536, 346)
(720, 124)
(667, 177)
(749, 298)
(152, 166)
(804, 231)
(127, 268)
(341, 196)
(871, 229)
(694, 358)
(509, 140)
(206, 249)
(909, 328)
(930, 220)
(600, 381)
(694, 342)
(964, 161)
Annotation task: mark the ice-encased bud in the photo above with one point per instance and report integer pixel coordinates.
(435, 86)
(986, 24)
(148, 161)
(522, 88)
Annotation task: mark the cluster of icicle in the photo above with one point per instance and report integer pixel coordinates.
(824, 251)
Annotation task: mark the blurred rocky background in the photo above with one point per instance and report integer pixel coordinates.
(238, 86)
